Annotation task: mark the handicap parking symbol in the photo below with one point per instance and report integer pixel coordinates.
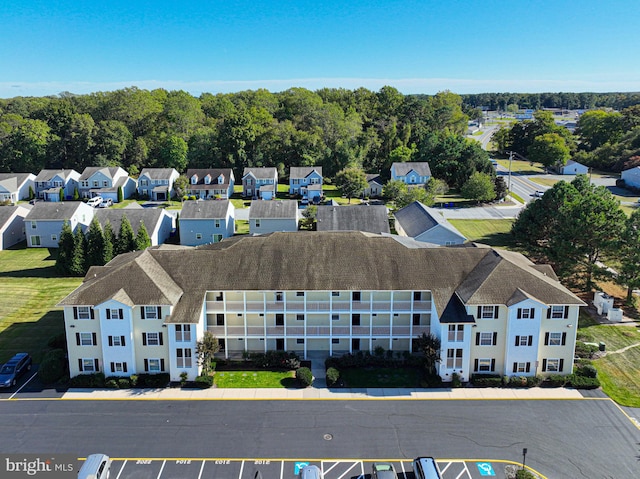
(485, 469)
(299, 466)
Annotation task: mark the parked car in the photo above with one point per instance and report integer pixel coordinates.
(384, 470)
(14, 368)
(106, 203)
(95, 201)
(310, 472)
(538, 194)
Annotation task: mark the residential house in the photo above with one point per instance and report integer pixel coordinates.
(631, 177)
(203, 222)
(270, 216)
(105, 182)
(44, 222)
(306, 181)
(260, 183)
(367, 218)
(321, 294)
(158, 223)
(12, 225)
(426, 224)
(374, 188)
(416, 173)
(16, 186)
(211, 183)
(573, 168)
(48, 184)
(157, 183)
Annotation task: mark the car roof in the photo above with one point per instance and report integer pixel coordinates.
(17, 357)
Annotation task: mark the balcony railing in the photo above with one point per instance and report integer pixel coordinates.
(320, 331)
(318, 306)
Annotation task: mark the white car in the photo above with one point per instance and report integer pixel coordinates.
(95, 201)
(106, 203)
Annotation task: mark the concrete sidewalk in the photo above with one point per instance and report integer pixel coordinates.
(324, 394)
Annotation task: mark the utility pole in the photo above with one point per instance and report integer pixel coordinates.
(510, 158)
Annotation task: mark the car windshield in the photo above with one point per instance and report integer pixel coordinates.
(7, 369)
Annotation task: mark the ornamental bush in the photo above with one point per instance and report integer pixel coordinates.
(304, 377)
(583, 382)
(159, 380)
(587, 370)
(52, 367)
(204, 382)
(332, 376)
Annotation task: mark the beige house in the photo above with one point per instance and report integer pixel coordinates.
(324, 293)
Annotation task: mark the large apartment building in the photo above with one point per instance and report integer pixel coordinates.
(321, 292)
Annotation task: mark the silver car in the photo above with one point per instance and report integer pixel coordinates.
(383, 470)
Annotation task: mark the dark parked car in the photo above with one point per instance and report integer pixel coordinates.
(13, 369)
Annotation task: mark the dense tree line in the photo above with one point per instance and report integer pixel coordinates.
(538, 101)
(334, 128)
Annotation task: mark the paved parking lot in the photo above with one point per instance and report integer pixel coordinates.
(177, 468)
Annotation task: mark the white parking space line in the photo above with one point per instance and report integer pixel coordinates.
(241, 469)
(354, 465)
(464, 470)
(324, 471)
(445, 468)
(201, 469)
(161, 469)
(121, 469)
(21, 387)
(281, 469)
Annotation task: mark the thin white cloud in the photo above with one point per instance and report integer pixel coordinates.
(405, 85)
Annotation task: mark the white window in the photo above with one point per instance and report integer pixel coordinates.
(183, 332)
(456, 333)
(488, 312)
(486, 339)
(54, 237)
(216, 223)
(96, 183)
(144, 182)
(257, 223)
(484, 365)
(115, 314)
(526, 313)
(524, 340)
(84, 312)
(522, 368)
(105, 183)
(153, 339)
(88, 365)
(153, 365)
(119, 368)
(557, 312)
(35, 241)
(183, 357)
(34, 225)
(454, 358)
(150, 312)
(117, 340)
(555, 339)
(198, 236)
(86, 339)
(553, 365)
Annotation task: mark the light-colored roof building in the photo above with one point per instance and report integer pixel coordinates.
(271, 216)
(426, 224)
(366, 218)
(12, 229)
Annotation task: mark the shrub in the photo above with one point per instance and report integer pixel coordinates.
(533, 381)
(585, 350)
(555, 381)
(58, 341)
(134, 380)
(159, 380)
(111, 383)
(431, 381)
(183, 377)
(304, 377)
(124, 383)
(486, 380)
(95, 380)
(53, 366)
(332, 376)
(583, 382)
(587, 370)
(524, 474)
(517, 382)
(204, 382)
(275, 360)
(455, 380)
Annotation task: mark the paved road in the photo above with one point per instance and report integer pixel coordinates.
(565, 439)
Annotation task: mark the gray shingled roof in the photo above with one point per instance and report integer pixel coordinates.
(158, 173)
(108, 171)
(417, 218)
(7, 212)
(420, 167)
(46, 175)
(303, 171)
(374, 177)
(204, 209)
(150, 217)
(310, 261)
(260, 173)
(273, 209)
(368, 218)
(44, 210)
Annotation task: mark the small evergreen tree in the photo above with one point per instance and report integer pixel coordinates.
(77, 263)
(65, 249)
(120, 194)
(76, 194)
(205, 349)
(32, 194)
(142, 238)
(61, 194)
(126, 240)
(109, 241)
(94, 253)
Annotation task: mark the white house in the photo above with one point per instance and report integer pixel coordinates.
(631, 177)
(12, 225)
(374, 188)
(16, 186)
(573, 168)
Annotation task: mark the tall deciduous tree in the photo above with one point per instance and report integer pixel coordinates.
(628, 253)
(549, 149)
(206, 349)
(351, 181)
(479, 187)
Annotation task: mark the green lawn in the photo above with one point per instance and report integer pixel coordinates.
(381, 377)
(491, 232)
(30, 291)
(254, 379)
(619, 373)
(519, 166)
(242, 227)
(332, 192)
(543, 181)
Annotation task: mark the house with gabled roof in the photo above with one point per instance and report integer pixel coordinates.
(413, 173)
(321, 293)
(44, 222)
(270, 216)
(16, 186)
(367, 218)
(105, 181)
(260, 183)
(206, 221)
(306, 182)
(210, 183)
(48, 184)
(374, 188)
(426, 224)
(158, 223)
(631, 177)
(12, 229)
(573, 168)
(157, 183)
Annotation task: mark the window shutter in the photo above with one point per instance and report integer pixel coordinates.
(142, 312)
(92, 313)
(146, 365)
(97, 367)
(120, 312)
(79, 364)
(94, 339)
(519, 313)
(477, 339)
(159, 312)
(495, 338)
(544, 365)
(496, 310)
(113, 367)
(162, 365)
(479, 312)
(160, 338)
(144, 339)
(532, 313)
(77, 339)
(566, 312)
(110, 340)
(109, 316)
(528, 369)
(546, 339)
(475, 364)
(517, 340)
(549, 312)
(515, 367)
(124, 367)
(564, 339)
(561, 365)
(493, 364)
(75, 313)
(122, 340)
(530, 340)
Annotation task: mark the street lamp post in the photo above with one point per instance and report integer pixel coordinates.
(524, 457)
(510, 158)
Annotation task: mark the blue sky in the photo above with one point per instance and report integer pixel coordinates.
(50, 46)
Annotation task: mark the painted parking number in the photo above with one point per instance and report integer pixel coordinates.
(485, 469)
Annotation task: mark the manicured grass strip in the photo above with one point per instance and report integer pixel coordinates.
(519, 166)
(516, 197)
(491, 232)
(254, 379)
(381, 377)
(543, 181)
